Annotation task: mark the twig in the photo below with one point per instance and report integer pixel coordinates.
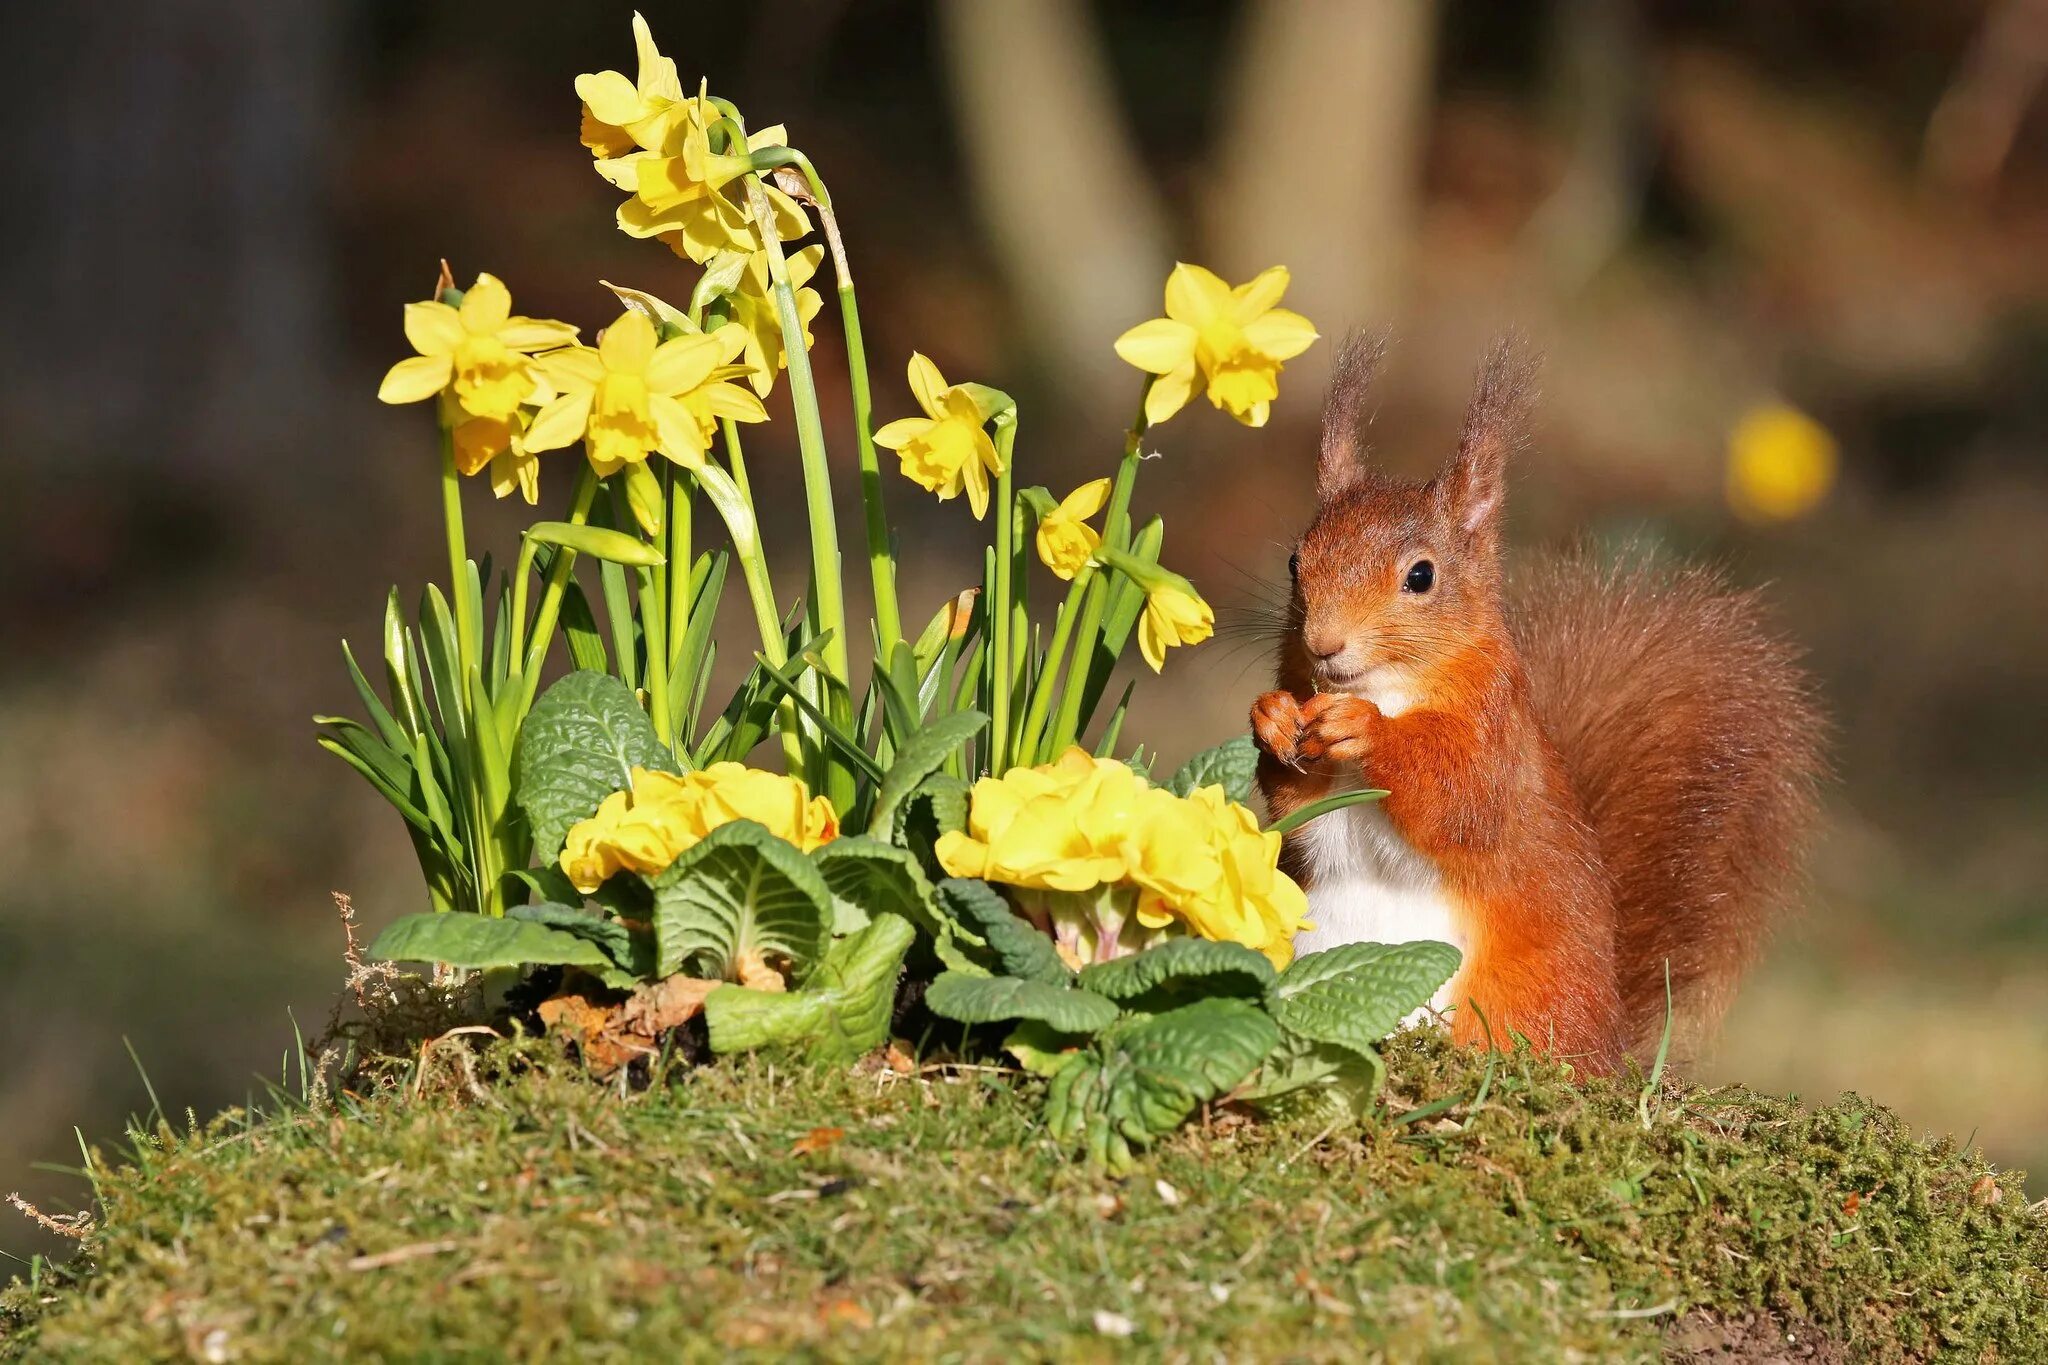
(76, 1226)
(400, 1255)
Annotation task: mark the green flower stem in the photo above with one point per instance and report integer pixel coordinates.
(1029, 750)
(729, 498)
(827, 599)
(1000, 624)
(654, 640)
(1116, 533)
(467, 632)
(551, 595)
(681, 506)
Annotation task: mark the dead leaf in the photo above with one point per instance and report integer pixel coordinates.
(900, 1061)
(1108, 1204)
(1852, 1203)
(754, 973)
(845, 1312)
(817, 1140)
(1984, 1192)
(611, 1035)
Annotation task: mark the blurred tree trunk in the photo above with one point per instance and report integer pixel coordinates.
(167, 272)
(1322, 152)
(1071, 212)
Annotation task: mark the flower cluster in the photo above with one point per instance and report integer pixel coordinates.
(1108, 862)
(643, 828)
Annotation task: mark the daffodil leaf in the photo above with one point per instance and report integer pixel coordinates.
(1356, 994)
(599, 542)
(1015, 946)
(579, 744)
(993, 999)
(631, 954)
(842, 1011)
(868, 877)
(579, 630)
(1197, 964)
(917, 758)
(479, 941)
(1231, 765)
(740, 893)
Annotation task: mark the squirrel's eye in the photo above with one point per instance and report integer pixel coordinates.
(1294, 565)
(1421, 577)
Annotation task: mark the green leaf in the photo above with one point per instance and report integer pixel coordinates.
(738, 891)
(1218, 968)
(463, 940)
(939, 806)
(919, 756)
(1231, 765)
(841, 1012)
(1356, 994)
(868, 877)
(613, 547)
(1300, 1079)
(631, 953)
(1017, 948)
(579, 629)
(1300, 816)
(580, 744)
(991, 999)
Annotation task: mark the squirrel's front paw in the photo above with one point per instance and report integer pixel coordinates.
(1336, 729)
(1276, 726)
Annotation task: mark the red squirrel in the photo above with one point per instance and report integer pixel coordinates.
(1590, 772)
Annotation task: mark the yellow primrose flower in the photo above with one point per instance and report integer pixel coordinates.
(1107, 863)
(1175, 614)
(1235, 338)
(1781, 463)
(948, 448)
(752, 306)
(633, 395)
(479, 349)
(645, 827)
(1065, 539)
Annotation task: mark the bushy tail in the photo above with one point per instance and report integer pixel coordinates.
(1693, 738)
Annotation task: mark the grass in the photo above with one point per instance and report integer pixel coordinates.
(502, 1205)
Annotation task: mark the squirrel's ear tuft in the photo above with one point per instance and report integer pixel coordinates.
(1475, 482)
(1344, 413)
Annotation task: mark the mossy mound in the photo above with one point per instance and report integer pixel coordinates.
(510, 1208)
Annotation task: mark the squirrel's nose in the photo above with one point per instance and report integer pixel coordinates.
(1325, 645)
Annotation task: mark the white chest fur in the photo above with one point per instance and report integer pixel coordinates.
(1367, 885)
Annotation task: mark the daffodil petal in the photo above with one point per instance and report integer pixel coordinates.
(611, 97)
(1259, 293)
(1085, 501)
(486, 306)
(628, 344)
(560, 422)
(975, 476)
(682, 440)
(728, 400)
(416, 377)
(1149, 643)
(927, 385)
(1169, 393)
(1158, 346)
(572, 367)
(681, 363)
(1194, 295)
(433, 328)
(535, 334)
(658, 77)
(902, 432)
(804, 264)
(1280, 334)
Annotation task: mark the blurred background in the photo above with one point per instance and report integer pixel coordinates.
(1711, 218)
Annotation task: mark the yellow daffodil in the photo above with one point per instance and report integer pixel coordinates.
(1175, 614)
(1781, 463)
(634, 394)
(644, 828)
(1234, 339)
(751, 304)
(1107, 863)
(497, 445)
(948, 448)
(1065, 539)
(479, 350)
(654, 142)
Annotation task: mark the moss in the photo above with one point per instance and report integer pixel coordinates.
(516, 1207)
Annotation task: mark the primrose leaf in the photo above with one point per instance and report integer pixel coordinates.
(1356, 994)
(1018, 949)
(631, 954)
(465, 940)
(739, 892)
(1302, 1078)
(938, 806)
(917, 759)
(1143, 1077)
(991, 999)
(868, 877)
(1212, 968)
(577, 746)
(842, 1011)
(1231, 765)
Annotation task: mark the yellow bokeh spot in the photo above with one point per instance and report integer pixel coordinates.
(1781, 463)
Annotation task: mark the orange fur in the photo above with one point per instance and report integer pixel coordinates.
(1611, 773)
